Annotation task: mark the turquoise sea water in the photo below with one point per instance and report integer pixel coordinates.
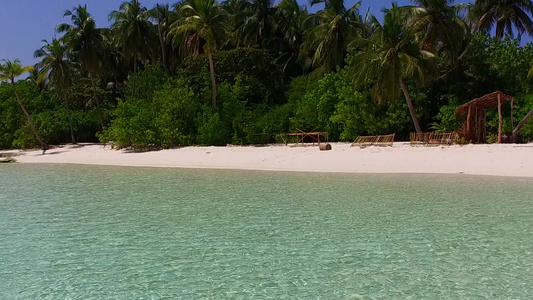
(80, 232)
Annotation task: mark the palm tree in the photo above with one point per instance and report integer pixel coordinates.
(10, 70)
(331, 31)
(56, 67)
(390, 57)
(133, 31)
(114, 65)
(518, 127)
(33, 77)
(164, 17)
(505, 14)
(523, 122)
(205, 20)
(439, 26)
(259, 23)
(290, 21)
(238, 12)
(86, 42)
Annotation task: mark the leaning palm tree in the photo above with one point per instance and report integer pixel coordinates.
(516, 130)
(505, 14)
(330, 32)
(85, 40)
(9, 70)
(133, 31)
(390, 57)
(56, 67)
(203, 20)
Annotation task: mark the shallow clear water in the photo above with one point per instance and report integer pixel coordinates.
(80, 232)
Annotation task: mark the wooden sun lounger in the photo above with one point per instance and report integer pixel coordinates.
(374, 140)
(433, 138)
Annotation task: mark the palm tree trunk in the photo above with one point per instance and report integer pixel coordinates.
(28, 118)
(163, 52)
(213, 81)
(120, 91)
(67, 107)
(134, 76)
(98, 107)
(411, 108)
(521, 124)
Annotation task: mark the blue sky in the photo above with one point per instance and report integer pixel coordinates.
(25, 23)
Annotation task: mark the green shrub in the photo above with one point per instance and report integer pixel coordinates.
(165, 120)
(315, 108)
(359, 115)
(334, 106)
(147, 82)
(211, 130)
(447, 119)
(276, 120)
(233, 111)
(299, 87)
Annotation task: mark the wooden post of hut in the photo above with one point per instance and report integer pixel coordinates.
(468, 125)
(499, 119)
(480, 105)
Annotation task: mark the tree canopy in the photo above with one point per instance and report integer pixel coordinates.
(244, 71)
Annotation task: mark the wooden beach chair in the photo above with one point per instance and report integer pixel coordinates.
(433, 138)
(374, 140)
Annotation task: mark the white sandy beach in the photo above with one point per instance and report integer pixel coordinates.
(497, 160)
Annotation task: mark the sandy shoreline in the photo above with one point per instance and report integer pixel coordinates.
(494, 160)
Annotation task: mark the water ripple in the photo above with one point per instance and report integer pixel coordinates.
(79, 232)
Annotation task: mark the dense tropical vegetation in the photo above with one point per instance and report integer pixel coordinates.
(244, 71)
